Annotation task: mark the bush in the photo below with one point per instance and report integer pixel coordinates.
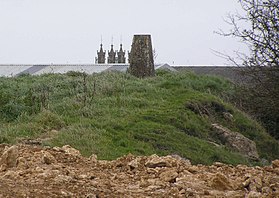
(48, 120)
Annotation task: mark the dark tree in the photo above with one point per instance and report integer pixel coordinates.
(261, 71)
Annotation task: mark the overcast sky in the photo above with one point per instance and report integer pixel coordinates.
(69, 31)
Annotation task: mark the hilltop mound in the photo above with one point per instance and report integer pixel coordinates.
(112, 114)
(32, 171)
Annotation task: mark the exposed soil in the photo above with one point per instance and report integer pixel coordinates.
(35, 171)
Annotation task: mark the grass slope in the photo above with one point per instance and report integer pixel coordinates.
(112, 114)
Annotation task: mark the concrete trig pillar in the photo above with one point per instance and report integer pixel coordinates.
(141, 57)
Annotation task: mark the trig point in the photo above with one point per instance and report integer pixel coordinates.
(141, 57)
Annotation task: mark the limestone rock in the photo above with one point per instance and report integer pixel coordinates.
(48, 158)
(266, 190)
(90, 196)
(128, 176)
(11, 175)
(176, 158)
(62, 179)
(254, 194)
(237, 141)
(193, 169)
(22, 163)
(93, 158)
(255, 184)
(134, 163)
(66, 193)
(235, 194)
(219, 164)
(156, 161)
(220, 182)
(9, 157)
(246, 183)
(70, 150)
(169, 176)
(275, 164)
(58, 149)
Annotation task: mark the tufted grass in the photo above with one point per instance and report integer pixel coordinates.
(112, 114)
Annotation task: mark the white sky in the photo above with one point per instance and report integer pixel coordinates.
(69, 31)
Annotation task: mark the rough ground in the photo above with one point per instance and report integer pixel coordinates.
(34, 171)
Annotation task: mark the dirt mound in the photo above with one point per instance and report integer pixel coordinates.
(34, 171)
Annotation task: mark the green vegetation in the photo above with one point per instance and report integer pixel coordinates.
(112, 114)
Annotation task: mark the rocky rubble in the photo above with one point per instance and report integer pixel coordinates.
(33, 171)
(237, 142)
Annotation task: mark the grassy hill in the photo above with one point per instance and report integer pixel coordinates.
(112, 114)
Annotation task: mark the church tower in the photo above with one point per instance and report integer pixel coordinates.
(101, 59)
(121, 55)
(111, 55)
